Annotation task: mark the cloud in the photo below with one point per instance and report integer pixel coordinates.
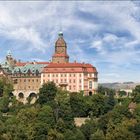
(105, 34)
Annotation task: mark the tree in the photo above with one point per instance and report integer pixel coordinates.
(105, 91)
(44, 122)
(90, 127)
(54, 135)
(78, 105)
(136, 130)
(97, 105)
(47, 93)
(5, 89)
(136, 113)
(122, 93)
(136, 94)
(121, 131)
(109, 102)
(98, 135)
(76, 134)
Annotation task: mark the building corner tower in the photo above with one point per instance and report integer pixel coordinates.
(60, 55)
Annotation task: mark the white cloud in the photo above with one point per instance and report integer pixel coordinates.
(109, 38)
(37, 23)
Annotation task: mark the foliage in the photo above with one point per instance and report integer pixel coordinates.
(47, 93)
(52, 116)
(122, 93)
(136, 94)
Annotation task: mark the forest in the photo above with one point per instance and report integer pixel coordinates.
(51, 117)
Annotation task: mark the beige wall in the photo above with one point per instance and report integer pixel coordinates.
(60, 59)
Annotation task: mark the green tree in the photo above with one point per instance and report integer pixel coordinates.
(47, 93)
(54, 135)
(121, 132)
(136, 94)
(78, 105)
(98, 135)
(109, 102)
(122, 93)
(136, 130)
(44, 122)
(76, 134)
(90, 127)
(5, 89)
(97, 105)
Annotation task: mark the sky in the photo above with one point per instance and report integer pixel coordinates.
(103, 33)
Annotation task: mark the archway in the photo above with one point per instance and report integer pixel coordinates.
(32, 98)
(90, 93)
(20, 95)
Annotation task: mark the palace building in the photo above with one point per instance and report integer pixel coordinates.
(28, 77)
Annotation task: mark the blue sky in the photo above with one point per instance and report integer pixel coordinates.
(105, 34)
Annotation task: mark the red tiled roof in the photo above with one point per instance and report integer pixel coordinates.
(24, 63)
(21, 63)
(64, 67)
(69, 67)
(42, 62)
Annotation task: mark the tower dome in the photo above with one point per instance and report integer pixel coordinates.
(60, 41)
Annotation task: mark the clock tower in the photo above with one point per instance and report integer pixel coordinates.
(60, 55)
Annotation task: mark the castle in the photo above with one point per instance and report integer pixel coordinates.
(27, 77)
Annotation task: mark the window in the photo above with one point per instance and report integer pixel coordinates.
(61, 75)
(48, 75)
(70, 80)
(24, 80)
(74, 81)
(80, 80)
(80, 75)
(33, 80)
(70, 87)
(15, 81)
(29, 80)
(70, 75)
(74, 75)
(36, 80)
(90, 84)
(65, 80)
(65, 75)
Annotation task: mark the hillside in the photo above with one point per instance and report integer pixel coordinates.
(125, 85)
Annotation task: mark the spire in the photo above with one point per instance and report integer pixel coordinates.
(60, 34)
(9, 53)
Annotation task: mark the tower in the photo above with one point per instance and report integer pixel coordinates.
(60, 55)
(10, 60)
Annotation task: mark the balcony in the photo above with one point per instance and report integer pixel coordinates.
(63, 84)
